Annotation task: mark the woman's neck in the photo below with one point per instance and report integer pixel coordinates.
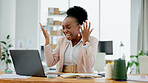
(75, 41)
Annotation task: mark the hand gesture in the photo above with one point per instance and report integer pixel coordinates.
(85, 32)
(46, 35)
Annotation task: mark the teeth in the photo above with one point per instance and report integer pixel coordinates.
(68, 35)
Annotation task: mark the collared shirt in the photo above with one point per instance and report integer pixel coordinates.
(71, 53)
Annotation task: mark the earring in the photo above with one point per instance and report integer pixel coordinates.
(79, 34)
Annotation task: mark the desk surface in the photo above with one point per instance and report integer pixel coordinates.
(60, 80)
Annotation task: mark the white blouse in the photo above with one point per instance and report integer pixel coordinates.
(71, 53)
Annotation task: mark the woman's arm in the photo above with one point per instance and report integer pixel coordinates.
(89, 54)
(51, 58)
(46, 35)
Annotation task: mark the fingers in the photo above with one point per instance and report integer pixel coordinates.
(81, 28)
(41, 27)
(91, 30)
(86, 23)
(44, 31)
(89, 26)
(84, 26)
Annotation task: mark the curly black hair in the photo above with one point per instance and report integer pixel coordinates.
(77, 12)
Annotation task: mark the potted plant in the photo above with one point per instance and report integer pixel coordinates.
(136, 61)
(6, 45)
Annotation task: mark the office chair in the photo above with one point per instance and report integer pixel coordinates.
(100, 62)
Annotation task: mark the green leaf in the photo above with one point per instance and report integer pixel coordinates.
(137, 56)
(137, 64)
(3, 42)
(140, 53)
(3, 54)
(7, 51)
(8, 54)
(3, 58)
(132, 56)
(8, 36)
(8, 60)
(131, 64)
(10, 45)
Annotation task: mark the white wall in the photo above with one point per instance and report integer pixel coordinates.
(7, 18)
(135, 9)
(115, 26)
(27, 24)
(7, 22)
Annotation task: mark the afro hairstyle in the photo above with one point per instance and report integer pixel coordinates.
(77, 12)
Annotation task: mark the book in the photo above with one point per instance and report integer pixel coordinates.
(80, 75)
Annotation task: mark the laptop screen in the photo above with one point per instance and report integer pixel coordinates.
(27, 62)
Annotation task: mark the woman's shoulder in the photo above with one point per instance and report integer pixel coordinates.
(62, 39)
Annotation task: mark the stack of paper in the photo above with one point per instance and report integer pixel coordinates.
(13, 76)
(138, 78)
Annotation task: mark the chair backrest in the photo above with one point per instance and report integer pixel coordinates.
(143, 64)
(99, 62)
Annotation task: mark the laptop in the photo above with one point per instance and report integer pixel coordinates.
(27, 62)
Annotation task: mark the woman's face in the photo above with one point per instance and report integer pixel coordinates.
(70, 28)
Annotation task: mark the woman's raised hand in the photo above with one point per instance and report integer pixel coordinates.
(46, 35)
(86, 31)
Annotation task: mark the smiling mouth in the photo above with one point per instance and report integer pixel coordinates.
(68, 35)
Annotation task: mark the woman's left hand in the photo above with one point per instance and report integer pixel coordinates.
(85, 32)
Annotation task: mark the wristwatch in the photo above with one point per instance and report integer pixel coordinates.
(86, 43)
